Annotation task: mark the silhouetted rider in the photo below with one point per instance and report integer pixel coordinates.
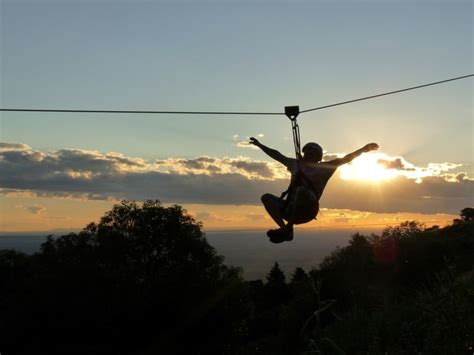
(309, 177)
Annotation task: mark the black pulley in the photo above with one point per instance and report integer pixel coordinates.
(292, 112)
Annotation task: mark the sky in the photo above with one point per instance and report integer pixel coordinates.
(63, 170)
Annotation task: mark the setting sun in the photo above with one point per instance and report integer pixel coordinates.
(368, 167)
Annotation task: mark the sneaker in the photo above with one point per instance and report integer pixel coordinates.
(280, 235)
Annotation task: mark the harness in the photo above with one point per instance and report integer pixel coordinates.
(300, 179)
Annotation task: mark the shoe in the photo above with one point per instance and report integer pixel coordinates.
(280, 235)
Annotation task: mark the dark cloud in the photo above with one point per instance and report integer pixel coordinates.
(81, 161)
(126, 161)
(192, 164)
(190, 188)
(214, 169)
(400, 194)
(28, 164)
(260, 168)
(36, 209)
(96, 176)
(396, 164)
(201, 163)
(197, 188)
(244, 166)
(461, 176)
(206, 159)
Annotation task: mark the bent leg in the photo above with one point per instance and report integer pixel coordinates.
(272, 205)
(305, 207)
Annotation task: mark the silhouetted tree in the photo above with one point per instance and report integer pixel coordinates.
(467, 214)
(276, 276)
(276, 289)
(404, 230)
(299, 275)
(143, 278)
(347, 273)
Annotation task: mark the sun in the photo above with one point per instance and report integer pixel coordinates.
(367, 167)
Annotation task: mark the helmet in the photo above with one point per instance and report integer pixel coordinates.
(316, 148)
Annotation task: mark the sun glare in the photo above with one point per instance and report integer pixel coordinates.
(367, 167)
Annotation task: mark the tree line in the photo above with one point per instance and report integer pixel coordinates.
(144, 280)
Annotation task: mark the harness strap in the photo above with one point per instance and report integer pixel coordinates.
(294, 183)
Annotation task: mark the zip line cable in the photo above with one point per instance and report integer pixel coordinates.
(386, 93)
(150, 112)
(232, 112)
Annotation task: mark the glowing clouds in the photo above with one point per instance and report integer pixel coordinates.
(4, 147)
(245, 143)
(379, 166)
(243, 166)
(84, 174)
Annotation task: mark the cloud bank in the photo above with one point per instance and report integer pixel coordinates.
(208, 180)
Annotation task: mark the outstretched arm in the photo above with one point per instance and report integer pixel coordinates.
(351, 156)
(272, 153)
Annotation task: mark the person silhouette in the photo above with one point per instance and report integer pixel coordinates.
(309, 176)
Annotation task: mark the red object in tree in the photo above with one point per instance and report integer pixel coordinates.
(386, 250)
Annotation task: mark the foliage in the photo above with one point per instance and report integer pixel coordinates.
(467, 214)
(418, 290)
(98, 290)
(144, 280)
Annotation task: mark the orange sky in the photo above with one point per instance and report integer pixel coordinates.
(45, 213)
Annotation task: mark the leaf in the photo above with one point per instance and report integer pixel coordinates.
(335, 346)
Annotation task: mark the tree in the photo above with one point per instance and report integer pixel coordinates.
(139, 265)
(276, 275)
(404, 230)
(155, 242)
(276, 289)
(467, 214)
(299, 275)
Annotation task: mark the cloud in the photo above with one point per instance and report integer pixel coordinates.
(328, 157)
(254, 168)
(246, 144)
(255, 216)
(34, 209)
(343, 215)
(400, 194)
(397, 164)
(220, 218)
(211, 166)
(458, 177)
(208, 180)
(378, 166)
(13, 146)
(37, 209)
(201, 163)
